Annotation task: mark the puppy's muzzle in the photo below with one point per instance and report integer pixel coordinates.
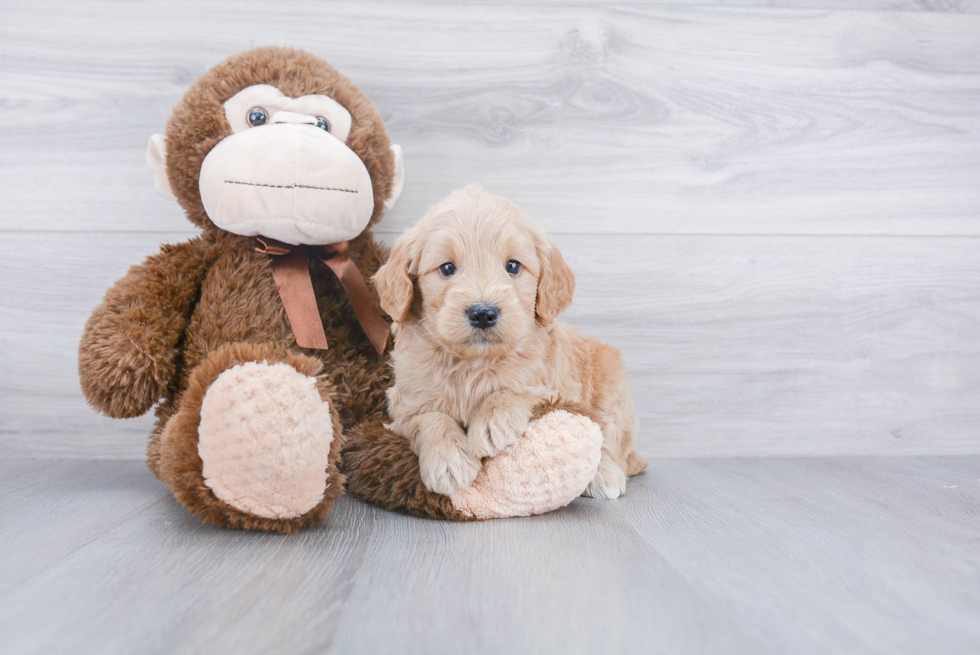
(482, 316)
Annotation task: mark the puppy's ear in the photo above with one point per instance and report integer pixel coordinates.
(393, 281)
(556, 284)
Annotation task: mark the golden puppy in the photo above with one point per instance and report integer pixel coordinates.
(474, 289)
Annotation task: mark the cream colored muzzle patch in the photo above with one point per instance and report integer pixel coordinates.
(290, 181)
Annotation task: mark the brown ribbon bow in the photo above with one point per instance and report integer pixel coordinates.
(292, 276)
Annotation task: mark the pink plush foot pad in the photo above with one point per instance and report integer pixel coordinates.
(264, 439)
(547, 468)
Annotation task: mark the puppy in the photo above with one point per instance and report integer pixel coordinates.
(474, 289)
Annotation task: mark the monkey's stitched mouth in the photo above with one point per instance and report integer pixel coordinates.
(291, 186)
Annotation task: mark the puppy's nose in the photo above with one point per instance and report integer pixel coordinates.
(483, 315)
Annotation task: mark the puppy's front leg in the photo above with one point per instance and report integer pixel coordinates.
(444, 462)
(501, 420)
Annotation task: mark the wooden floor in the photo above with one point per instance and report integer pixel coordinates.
(820, 555)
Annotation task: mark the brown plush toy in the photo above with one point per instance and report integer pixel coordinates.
(259, 340)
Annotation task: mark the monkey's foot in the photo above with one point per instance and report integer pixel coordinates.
(547, 468)
(264, 440)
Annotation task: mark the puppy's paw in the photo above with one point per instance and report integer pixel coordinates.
(446, 467)
(609, 481)
(496, 426)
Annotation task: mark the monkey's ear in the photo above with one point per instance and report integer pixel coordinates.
(556, 284)
(398, 179)
(156, 159)
(394, 282)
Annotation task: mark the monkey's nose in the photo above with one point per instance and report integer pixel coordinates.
(482, 315)
(291, 117)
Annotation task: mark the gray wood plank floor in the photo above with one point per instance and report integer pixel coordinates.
(821, 555)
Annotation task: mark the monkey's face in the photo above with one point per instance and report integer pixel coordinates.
(286, 171)
(286, 161)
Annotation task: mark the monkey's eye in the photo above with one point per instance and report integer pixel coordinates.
(323, 123)
(514, 267)
(257, 116)
(447, 269)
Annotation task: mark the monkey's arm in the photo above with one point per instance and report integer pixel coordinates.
(128, 352)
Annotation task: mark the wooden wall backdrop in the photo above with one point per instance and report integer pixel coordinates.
(773, 208)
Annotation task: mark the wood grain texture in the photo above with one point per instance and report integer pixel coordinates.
(772, 206)
(835, 555)
(736, 345)
(51, 508)
(624, 118)
(947, 6)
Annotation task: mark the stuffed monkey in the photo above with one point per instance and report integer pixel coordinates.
(259, 341)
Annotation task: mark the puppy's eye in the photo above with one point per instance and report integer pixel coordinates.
(514, 267)
(323, 123)
(447, 269)
(257, 116)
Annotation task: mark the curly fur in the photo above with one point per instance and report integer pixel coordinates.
(461, 392)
